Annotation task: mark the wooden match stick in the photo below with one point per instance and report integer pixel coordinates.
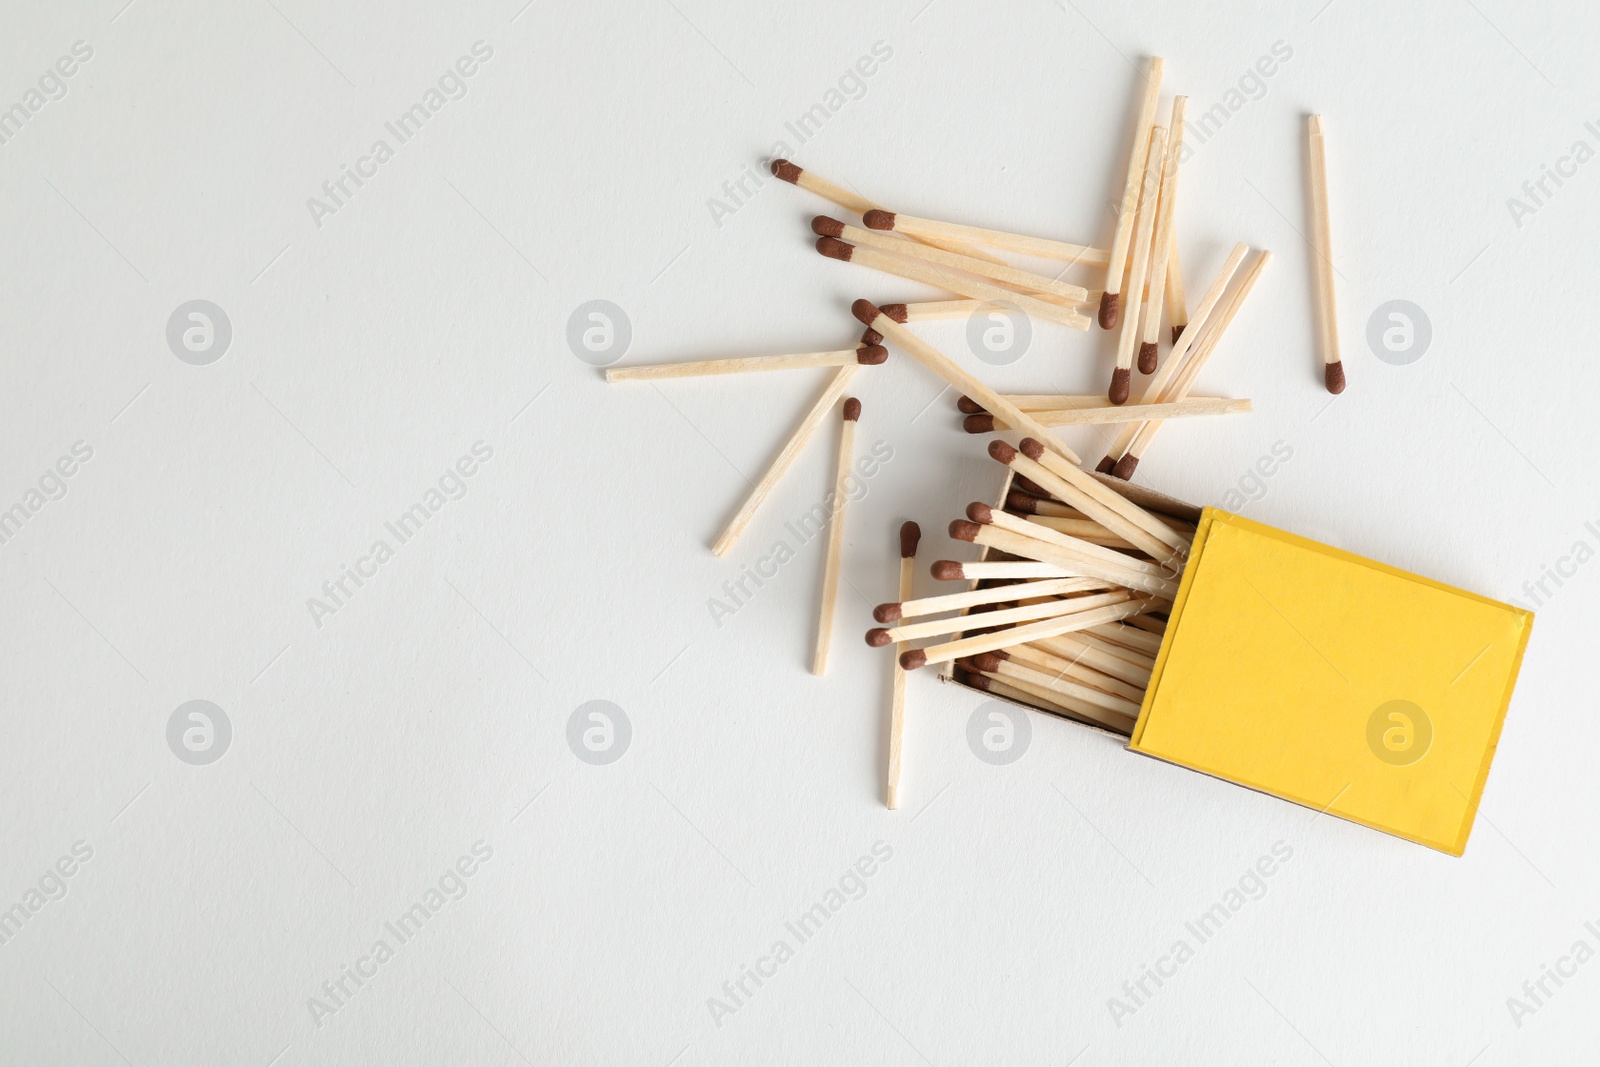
(830, 571)
(1076, 669)
(944, 278)
(1055, 511)
(1084, 530)
(949, 570)
(792, 449)
(1128, 637)
(933, 605)
(1154, 389)
(925, 311)
(1050, 703)
(1105, 412)
(960, 380)
(823, 226)
(1037, 402)
(1028, 526)
(1161, 251)
(1146, 431)
(1075, 648)
(867, 356)
(1111, 648)
(1016, 672)
(812, 182)
(879, 636)
(1177, 305)
(1118, 260)
(1322, 244)
(910, 534)
(1040, 247)
(1077, 563)
(1020, 635)
(1143, 232)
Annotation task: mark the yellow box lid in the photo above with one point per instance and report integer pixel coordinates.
(1332, 681)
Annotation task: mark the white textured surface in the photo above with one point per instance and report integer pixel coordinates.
(428, 712)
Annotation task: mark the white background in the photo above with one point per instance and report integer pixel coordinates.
(430, 711)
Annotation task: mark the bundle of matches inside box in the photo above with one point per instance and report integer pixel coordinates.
(1066, 608)
(1065, 612)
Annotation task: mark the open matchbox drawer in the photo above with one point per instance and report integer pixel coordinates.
(1326, 679)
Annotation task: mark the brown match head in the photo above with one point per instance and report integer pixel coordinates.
(877, 637)
(869, 336)
(988, 662)
(1147, 357)
(977, 681)
(878, 219)
(1030, 448)
(1105, 465)
(968, 406)
(1125, 467)
(1110, 310)
(887, 613)
(834, 248)
(823, 226)
(872, 355)
(1121, 380)
(1333, 377)
(1022, 502)
(947, 570)
(852, 409)
(962, 530)
(1177, 332)
(910, 535)
(1028, 485)
(980, 513)
(1002, 452)
(978, 424)
(898, 312)
(865, 310)
(782, 168)
(913, 658)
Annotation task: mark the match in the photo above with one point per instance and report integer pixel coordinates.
(1019, 635)
(867, 356)
(1133, 325)
(879, 636)
(967, 286)
(830, 571)
(949, 570)
(1161, 253)
(1116, 263)
(933, 605)
(860, 205)
(1322, 264)
(910, 535)
(823, 226)
(926, 230)
(1110, 413)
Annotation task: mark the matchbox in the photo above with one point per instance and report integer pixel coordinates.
(1325, 679)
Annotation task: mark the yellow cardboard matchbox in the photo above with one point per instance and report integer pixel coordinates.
(1330, 680)
(1333, 681)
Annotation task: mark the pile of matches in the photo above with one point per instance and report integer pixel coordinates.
(1066, 610)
